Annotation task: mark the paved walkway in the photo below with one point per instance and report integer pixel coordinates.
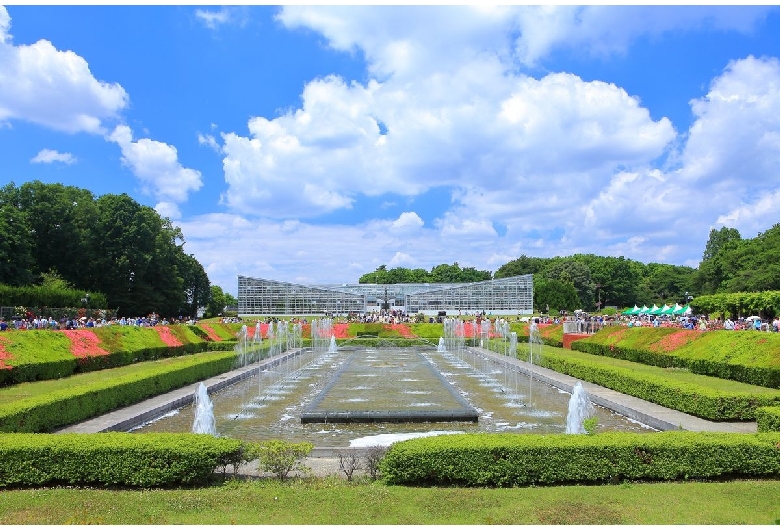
(655, 416)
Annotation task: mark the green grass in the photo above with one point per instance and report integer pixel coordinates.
(42, 388)
(676, 375)
(333, 501)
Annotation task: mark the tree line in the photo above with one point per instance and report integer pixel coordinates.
(439, 274)
(109, 244)
(730, 264)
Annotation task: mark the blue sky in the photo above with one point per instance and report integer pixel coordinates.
(312, 144)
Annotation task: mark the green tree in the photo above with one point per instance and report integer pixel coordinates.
(714, 268)
(521, 266)
(573, 272)
(197, 288)
(554, 294)
(218, 301)
(16, 241)
(60, 219)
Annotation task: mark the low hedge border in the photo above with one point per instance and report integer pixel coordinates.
(685, 397)
(507, 460)
(768, 419)
(768, 376)
(58, 409)
(113, 459)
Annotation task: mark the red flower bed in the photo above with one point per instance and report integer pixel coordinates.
(210, 332)
(4, 355)
(341, 330)
(469, 327)
(403, 330)
(675, 340)
(167, 336)
(84, 343)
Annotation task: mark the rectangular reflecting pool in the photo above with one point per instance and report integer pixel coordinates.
(403, 381)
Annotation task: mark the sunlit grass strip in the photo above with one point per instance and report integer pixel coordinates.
(334, 501)
(702, 396)
(210, 332)
(752, 357)
(48, 405)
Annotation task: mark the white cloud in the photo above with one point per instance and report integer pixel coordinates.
(47, 156)
(401, 259)
(407, 223)
(607, 30)
(226, 15)
(168, 209)
(213, 19)
(156, 165)
(408, 40)
(5, 24)
(53, 88)
(210, 141)
(321, 157)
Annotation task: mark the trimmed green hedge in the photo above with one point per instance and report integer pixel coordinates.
(697, 400)
(768, 419)
(507, 460)
(750, 357)
(113, 459)
(45, 413)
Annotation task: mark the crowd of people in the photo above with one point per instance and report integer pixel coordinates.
(67, 323)
(698, 322)
(584, 320)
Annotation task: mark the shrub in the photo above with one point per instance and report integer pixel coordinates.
(478, 460)
(373, 455)
(281, 457)
(768, 419)
(113, 459)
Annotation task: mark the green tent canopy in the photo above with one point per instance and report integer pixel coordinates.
(630, 311)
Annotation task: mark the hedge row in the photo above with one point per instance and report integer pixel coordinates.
(768, 419)
(747, 356)
(39, 355)
(113, 459)
(45, 413)
(697, 400)
(507, 460)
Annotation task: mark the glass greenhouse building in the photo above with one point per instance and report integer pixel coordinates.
(505, 296)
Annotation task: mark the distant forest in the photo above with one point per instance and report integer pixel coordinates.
(585, 281)
(112, 245)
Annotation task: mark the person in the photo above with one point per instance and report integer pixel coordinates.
(3, 324)
(757, 324)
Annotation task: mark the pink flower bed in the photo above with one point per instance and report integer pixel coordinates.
(675, 340)
(84, 343)
(167, 337)
(210, 332)
(4, 355)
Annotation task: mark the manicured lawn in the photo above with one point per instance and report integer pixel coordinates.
(336, 502)
(41, 388)
(670, 374)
